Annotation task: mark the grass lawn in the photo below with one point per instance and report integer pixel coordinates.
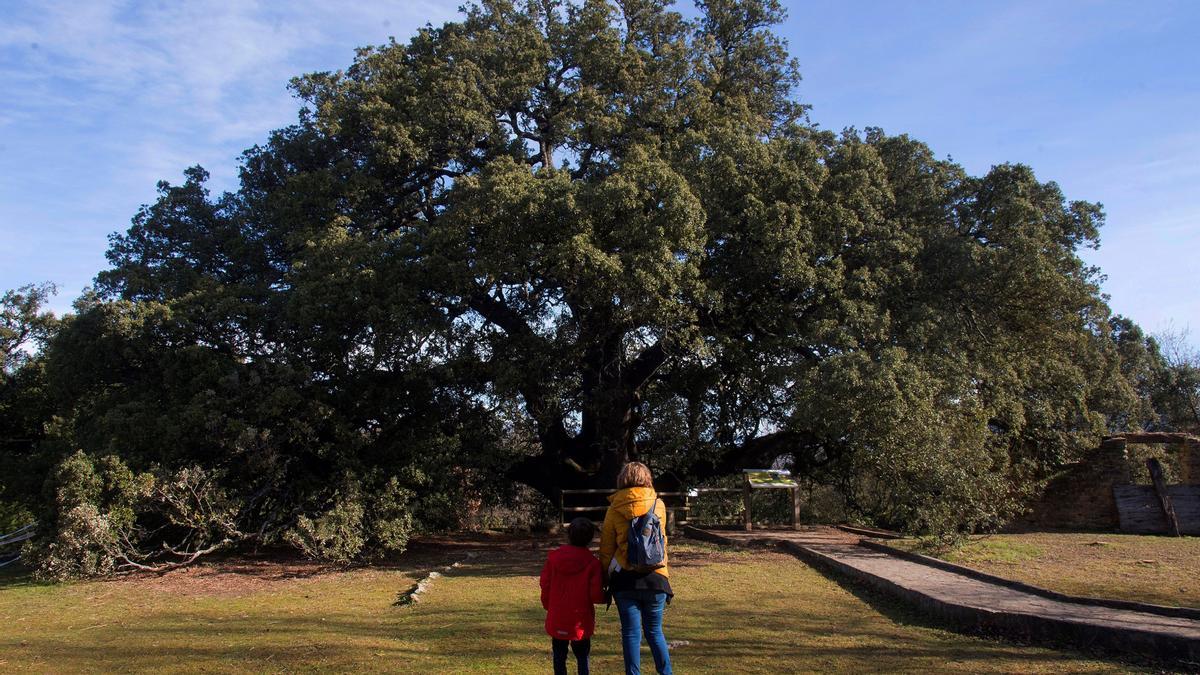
(1158, 570)
(736, 611)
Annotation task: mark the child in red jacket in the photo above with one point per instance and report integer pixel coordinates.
(570, 589)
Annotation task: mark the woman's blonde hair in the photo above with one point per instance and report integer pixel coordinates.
(634, 474)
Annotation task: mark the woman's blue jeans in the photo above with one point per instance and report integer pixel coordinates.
(641, 613)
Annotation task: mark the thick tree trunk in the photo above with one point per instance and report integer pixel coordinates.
(611, 388)
(555, 470)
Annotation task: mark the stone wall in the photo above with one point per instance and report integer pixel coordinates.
(1189, 463)
(1081, 497)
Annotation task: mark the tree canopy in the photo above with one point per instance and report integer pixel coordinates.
(552, 237)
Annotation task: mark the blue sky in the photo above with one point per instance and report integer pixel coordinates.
(99, 100)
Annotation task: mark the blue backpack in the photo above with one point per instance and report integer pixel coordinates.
(646, 549)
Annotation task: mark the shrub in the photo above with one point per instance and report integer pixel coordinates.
(78, 539)
(102, 517)
(390, 521)
(356, 525)
(336, 535)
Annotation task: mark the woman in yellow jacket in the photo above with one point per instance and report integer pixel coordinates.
(640, 596)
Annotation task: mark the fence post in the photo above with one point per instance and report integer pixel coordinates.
(1164, 499)
(749, 523)
(796, 508)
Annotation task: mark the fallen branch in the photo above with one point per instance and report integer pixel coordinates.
(130, 565)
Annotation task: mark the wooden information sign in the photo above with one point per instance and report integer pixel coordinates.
(770, 478)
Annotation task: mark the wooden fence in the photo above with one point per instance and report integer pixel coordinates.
(593, 503)
(1140, 509)
(9, 542)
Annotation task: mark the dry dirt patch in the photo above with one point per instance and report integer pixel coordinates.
(241, 576)
(225, 578)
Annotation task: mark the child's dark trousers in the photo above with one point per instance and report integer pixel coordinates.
(581, 648)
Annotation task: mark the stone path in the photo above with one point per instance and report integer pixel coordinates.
(979, 604)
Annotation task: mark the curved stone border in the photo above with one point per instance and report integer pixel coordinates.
(1025, 626)
(712, 537)
(413, 595)
(1161, 610)
(869, 532)
(1029, 626)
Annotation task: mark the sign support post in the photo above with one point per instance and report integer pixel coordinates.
(769, 478)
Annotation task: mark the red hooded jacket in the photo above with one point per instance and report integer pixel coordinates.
(570, 589)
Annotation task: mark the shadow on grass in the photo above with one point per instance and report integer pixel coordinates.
(17, 575)
(339, 643)
(436, 638)
(493, 630)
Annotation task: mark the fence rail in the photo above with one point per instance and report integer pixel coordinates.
(20, 535)
(677, 503)
(16, 537)
(721, 510)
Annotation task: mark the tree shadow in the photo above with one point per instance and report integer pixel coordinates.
(435, 637)
(426, 635)
(17, 575)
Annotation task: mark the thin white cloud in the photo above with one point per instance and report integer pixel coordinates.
(217, 70)
(103, 98)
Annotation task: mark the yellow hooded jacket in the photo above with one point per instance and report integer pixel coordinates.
(623, 506)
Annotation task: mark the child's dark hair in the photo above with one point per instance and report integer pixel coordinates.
(580, 532)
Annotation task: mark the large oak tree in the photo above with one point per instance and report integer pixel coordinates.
(611, 233)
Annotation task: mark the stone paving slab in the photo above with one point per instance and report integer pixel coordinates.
(978, 604)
